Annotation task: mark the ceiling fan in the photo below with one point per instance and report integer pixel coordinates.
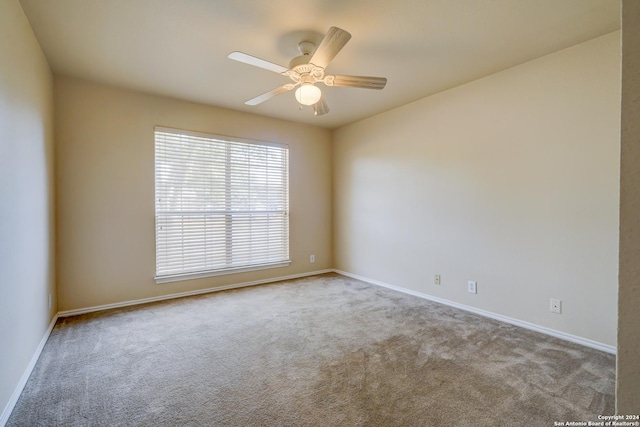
(308, 69)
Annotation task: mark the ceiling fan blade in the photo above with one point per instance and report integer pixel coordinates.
(364, 82)
(331, 44)
(257, 62)
(265, 96)
(320, 107)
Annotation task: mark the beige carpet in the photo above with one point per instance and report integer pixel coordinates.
(319, 351)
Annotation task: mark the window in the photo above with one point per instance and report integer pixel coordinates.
(222, 205)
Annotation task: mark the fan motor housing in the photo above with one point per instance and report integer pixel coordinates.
(306, 49)
(300, 70)
(299, 61)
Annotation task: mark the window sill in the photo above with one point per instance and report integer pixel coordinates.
(221, 272)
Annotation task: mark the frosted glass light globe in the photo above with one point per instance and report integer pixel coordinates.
(308, 94)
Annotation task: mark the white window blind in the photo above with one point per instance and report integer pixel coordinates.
(222, 204)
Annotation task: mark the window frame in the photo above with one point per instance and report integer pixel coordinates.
(165, 278)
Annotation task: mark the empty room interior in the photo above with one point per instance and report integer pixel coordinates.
(420, 212)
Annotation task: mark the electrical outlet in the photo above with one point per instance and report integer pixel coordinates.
(436, 279)
(49, 300)
(472, 287)
(555, 306)
(312, 259)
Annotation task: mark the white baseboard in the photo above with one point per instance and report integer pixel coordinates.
(78, 311)
(6, 413)
(562, 335)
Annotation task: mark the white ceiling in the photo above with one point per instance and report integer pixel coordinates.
(179, 48)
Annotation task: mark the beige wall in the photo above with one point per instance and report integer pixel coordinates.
(105, 185)
(26, 197)
(511, 180)
(628, 363)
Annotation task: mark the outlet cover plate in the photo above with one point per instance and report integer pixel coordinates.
(472, 287)
(436, 279)
(555, 306)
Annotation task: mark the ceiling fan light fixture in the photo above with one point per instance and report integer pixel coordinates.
(308, 94)
(308, 69)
